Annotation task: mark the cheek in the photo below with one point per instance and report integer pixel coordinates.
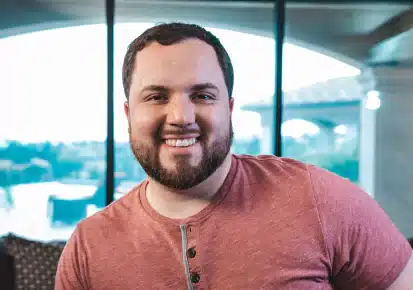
(215, 124)
(144, 124)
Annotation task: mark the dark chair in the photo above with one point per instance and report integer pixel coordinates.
(27, 264)
(7, 275)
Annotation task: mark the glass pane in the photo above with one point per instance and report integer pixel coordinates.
(53, 116)
(243, 39)
(347, 86)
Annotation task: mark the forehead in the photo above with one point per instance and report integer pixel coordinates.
(181, 64)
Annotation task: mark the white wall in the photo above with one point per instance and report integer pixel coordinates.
(393, 175)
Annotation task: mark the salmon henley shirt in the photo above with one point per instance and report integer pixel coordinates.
(275, 223)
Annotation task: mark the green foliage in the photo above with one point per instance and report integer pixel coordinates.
(28, 163)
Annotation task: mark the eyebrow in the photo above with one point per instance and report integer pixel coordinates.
(196, 87)
(204, 86)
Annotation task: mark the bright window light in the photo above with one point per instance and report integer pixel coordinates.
(297, 128)
(373, 100)
(340, 129)
(51, 56)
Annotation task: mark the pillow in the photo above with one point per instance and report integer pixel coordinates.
(35, 262)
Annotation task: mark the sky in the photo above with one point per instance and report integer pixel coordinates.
(53, 82)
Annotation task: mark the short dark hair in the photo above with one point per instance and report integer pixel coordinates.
(171, 33)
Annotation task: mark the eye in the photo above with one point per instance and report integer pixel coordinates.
(157, 98)
(203, 97)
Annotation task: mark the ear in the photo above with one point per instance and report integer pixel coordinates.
(231, 105)
(126, 109)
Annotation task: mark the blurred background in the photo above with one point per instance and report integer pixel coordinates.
(347, 106)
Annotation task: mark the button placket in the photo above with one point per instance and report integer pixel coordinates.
(193, 257)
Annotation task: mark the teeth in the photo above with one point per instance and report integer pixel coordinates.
(181, 142)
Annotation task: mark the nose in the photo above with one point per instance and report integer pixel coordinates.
(180, 111)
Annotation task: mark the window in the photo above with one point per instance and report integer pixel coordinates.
(357, 61)
(347, 71)
(321, 111)
(52, 142)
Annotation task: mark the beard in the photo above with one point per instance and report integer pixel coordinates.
(184, 175)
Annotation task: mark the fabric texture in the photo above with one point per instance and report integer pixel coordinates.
(35, 263)
(6, 268)
(275, 223)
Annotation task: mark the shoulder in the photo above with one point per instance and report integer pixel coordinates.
(338, 195)
(332, 196)
(271, 165)
(112, 218)
(105, 226)
(95, 237)
(282, 169)
(364, 245)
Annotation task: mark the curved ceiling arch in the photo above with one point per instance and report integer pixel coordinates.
(255, 18)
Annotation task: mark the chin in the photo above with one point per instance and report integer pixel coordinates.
(177, 162)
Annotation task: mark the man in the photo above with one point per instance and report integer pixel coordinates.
(207, 219)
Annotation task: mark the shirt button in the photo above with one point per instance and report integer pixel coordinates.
(195, 278)
(191, 253)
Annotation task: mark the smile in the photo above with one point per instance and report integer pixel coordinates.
(181, 142)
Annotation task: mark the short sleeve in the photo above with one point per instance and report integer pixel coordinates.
(365, 248)
(70, 273)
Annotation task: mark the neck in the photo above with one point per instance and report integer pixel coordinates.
(180, 204)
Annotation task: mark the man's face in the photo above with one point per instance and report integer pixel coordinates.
(179, 113)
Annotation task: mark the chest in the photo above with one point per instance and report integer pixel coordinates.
(232, 254)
